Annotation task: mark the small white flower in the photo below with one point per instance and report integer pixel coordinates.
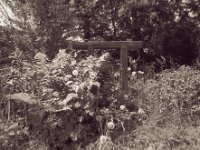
(55, 94)
(47, 90)
(86, 111)
(133, 73)
(117, 74)
(90, 66)
(146, 50)
(77, 105)
(129, 69)
(61, 78)
(75, 72)
(122, 107)
(110, 125)
(73, 63)
(92, 75)
(91, 113)
(86, 106)
(140, 72)
(62, 51)
(141, 111)
(40, 58)
(68, 83)
(99, 118)
(54, 71)
(104, 57)
(104, 139)
(67, 77)
(10, 82)
(81, 118)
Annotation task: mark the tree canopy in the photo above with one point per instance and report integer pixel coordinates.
(162, 22)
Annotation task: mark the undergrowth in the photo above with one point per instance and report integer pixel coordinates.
(68, 102)
(171, 119)
(76, 103)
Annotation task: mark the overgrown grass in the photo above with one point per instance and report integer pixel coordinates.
(149, 137)
(171, 118)
(171, 103)
(168, 102)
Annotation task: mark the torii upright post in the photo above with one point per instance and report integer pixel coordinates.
(124, 68)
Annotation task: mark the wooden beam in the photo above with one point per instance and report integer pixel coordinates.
(124, 68)
(106, 44)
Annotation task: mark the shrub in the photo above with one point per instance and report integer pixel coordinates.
(78, 98)
(180, 43)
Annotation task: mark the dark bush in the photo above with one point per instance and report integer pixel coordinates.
(180, 44)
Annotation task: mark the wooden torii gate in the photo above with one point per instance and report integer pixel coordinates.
(122, 45)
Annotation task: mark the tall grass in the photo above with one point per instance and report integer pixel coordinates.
(171, 103)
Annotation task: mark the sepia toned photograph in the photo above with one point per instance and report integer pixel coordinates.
(99, 75)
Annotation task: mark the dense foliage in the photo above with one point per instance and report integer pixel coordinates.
(80, 97)
(55, 97)
(171, 28)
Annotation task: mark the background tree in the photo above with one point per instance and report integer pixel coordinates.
(48, 24)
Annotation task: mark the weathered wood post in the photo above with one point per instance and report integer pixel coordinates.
(124, 68)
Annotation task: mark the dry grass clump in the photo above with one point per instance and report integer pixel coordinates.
(173, 98)
(171, 103)
(155, 138)
(171, 118)
(105, 143)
